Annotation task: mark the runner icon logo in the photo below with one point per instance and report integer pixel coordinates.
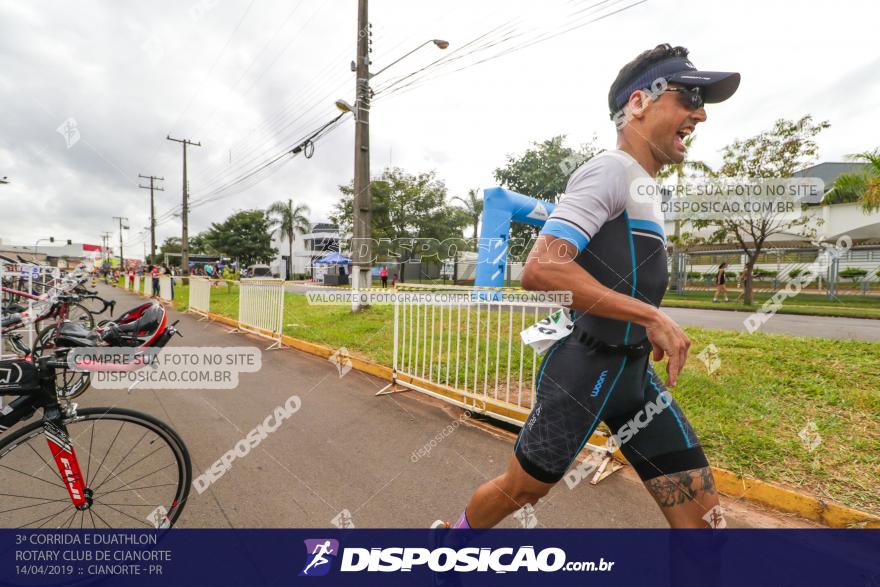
(320, 553)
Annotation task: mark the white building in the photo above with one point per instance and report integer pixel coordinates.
(787, 251)
(66, 256)
(308, 247)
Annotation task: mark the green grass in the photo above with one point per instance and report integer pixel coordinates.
(748, 412)
(767, 389)
(802, 299)
(804, 303)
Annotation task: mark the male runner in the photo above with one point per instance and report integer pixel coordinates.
(609, 249)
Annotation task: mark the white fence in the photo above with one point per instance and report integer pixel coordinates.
(261, 308)
(469, 354)
(165, 288)
(200, 295)
(148, 285)
(137, 282)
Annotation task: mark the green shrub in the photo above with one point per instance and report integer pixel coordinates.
(853, 273)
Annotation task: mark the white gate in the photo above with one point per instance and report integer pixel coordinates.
(261, 308)
(472, 350)
(165, 288)
(200, 296)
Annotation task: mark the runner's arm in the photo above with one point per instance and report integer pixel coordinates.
(551, 267)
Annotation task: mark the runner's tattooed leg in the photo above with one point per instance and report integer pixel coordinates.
(679, 488)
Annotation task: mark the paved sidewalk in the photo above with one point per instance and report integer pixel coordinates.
(348, 450)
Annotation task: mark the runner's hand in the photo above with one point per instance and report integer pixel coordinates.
(668, 339)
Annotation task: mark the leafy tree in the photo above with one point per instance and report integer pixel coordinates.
(473, 206)
(405, 206)
(541, 172)
(776, 153)
(287, 219)
(199, 245)
(244, 236)
(170, 246)
(860, 186)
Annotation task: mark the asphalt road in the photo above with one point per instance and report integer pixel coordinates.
(346, 449)
(793, 324)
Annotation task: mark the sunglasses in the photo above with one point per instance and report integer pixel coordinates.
(690, 97)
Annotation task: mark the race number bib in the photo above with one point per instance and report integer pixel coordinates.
(544, 333)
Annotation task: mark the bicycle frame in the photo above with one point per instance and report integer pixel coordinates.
(57, 310)
(23, 407)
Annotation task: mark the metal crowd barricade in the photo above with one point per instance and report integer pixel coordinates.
(469, 353)
(148, 285)
(137, 283)
(200, 296)
(261, 308)
(165, 288)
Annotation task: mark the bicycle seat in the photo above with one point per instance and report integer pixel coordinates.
(74, 334)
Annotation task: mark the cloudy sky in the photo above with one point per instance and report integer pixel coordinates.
(249, 78)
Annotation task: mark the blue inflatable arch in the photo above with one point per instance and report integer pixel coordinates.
(500, 208)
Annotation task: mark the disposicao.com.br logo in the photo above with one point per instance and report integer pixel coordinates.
(320, 553)
(443, 559)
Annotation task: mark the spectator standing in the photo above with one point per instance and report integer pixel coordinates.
(154, 274)
(720, 283)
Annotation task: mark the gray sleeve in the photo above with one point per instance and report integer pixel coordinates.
(596, 193)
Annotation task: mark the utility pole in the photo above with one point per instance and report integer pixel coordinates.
(121, 226)
(362, 250)
(105, 251)
(184, 212)
(153, 188)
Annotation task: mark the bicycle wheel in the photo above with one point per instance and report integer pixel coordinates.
(136, 469)
(78, 313)
(68, 384)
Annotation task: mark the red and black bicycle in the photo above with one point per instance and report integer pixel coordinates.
(95, 467)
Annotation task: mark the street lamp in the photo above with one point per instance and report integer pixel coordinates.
(438, 42)
(51, 239)
(345, 107)
(4, 180)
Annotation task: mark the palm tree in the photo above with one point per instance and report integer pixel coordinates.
(679, 171)
(288, 219)
(859, 186)
(474, 208)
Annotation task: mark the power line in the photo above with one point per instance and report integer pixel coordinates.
(214, 64)
(304, 146)
(254, 60)
(560, 30)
